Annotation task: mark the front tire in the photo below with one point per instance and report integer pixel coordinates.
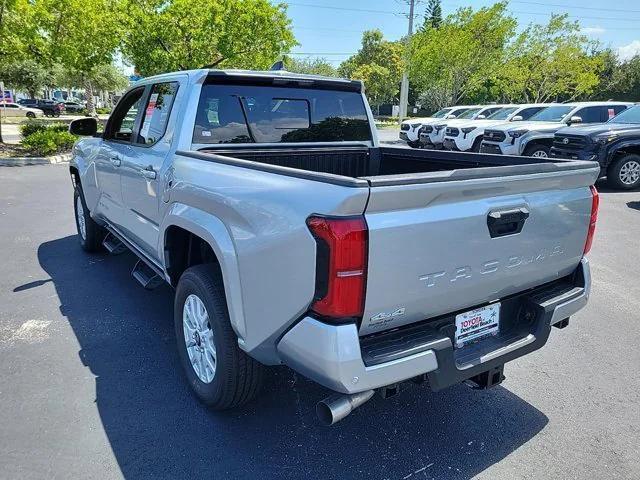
(31, 115)
(90, 234)
(624, 173)
(537, 151)
(220, 374)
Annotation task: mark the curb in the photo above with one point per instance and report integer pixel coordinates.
(24, 161)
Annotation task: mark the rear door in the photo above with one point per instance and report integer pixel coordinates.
(140, 172)
(433, 248)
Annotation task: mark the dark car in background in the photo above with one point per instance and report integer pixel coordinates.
(615, 145)
(51, 108)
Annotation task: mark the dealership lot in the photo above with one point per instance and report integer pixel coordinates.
(90, 384)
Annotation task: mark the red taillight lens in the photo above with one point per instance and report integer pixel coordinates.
(341, 266)
(595, 203)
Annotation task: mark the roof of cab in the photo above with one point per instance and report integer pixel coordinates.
(276, 76)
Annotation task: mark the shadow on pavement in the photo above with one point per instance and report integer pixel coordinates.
(157, 429)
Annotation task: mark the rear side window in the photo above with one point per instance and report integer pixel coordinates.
(156, 112)
(251, 114)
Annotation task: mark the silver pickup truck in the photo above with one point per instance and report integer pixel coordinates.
(292, 237)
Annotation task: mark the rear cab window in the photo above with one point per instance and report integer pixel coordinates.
(230, 114)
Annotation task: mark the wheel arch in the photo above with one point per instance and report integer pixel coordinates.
(623, 148)
(191, 237)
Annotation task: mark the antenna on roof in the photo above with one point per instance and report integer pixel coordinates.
(279, 65)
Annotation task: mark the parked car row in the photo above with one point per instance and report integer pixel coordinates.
(9, 109)
(50, 108)
(608, 132)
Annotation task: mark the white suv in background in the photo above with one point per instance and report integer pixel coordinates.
(411, 131)
(432, 135)
(535, 137)
(467, 136)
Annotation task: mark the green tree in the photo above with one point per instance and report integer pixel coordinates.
(550, 62)
(27, 75)
(378, 83)
(432, 15)
(456, 61)
(618, 80)
(166, 35)
(312, 66)
(378, 64)
(81, 35)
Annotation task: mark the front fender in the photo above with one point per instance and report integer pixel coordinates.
(533, 137)
(614, 149)
(213, 231)
(83, 158)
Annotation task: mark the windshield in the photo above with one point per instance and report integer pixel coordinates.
(552, 114)
(502, 114)
(629, 116)
(441, 113)
(469, 113)
(252, 114)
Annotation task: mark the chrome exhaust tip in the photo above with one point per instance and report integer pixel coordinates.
(333, 409)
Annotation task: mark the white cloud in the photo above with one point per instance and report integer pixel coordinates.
(593, 31)
(627, 52)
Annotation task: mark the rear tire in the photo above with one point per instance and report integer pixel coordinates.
(624, 172)
(90, 234)
(221, 375)
(31, 115)
(538, 150)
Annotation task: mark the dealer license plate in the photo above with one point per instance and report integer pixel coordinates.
(477, 324)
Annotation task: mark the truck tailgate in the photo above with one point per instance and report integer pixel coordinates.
(453, 243)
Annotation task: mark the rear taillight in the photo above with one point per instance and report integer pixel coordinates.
(595, 203)
(341, 266)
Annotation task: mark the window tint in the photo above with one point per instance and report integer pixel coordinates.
(456, 112)
(441, 113)
(121, 122)
(490, 111)
(250, 114)
(527, 113)
(591, 114)
(156, 113)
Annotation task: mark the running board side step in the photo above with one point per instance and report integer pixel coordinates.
(113, 245)
(146, 276)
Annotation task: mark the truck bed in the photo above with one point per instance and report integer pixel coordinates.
(399, 164)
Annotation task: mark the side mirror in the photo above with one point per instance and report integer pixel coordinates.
(450, 117)
(517, 118)
(575, 119)
(85, 127)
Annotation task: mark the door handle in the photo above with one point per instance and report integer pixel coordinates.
(115, 161)
(149, 173)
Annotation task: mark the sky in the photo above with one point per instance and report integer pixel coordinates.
(332, 29)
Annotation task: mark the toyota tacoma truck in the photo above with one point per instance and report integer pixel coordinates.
(615, 145)
(534, 138)
(292, 237)
(467, 136)
(432, 136)
(410, 129)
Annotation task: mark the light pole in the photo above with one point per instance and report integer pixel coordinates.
(404, 87)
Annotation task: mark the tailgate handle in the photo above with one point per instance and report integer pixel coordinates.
(506, 222)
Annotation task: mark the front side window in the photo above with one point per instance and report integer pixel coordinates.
(122, 121)
(156, 112)
(265, 114)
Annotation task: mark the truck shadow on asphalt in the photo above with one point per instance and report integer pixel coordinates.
(157, 429)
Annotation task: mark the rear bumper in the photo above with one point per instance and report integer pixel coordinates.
(337, 358)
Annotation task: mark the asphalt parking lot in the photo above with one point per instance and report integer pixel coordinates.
(91, 387)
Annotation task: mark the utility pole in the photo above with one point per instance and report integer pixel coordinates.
(404, 88)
